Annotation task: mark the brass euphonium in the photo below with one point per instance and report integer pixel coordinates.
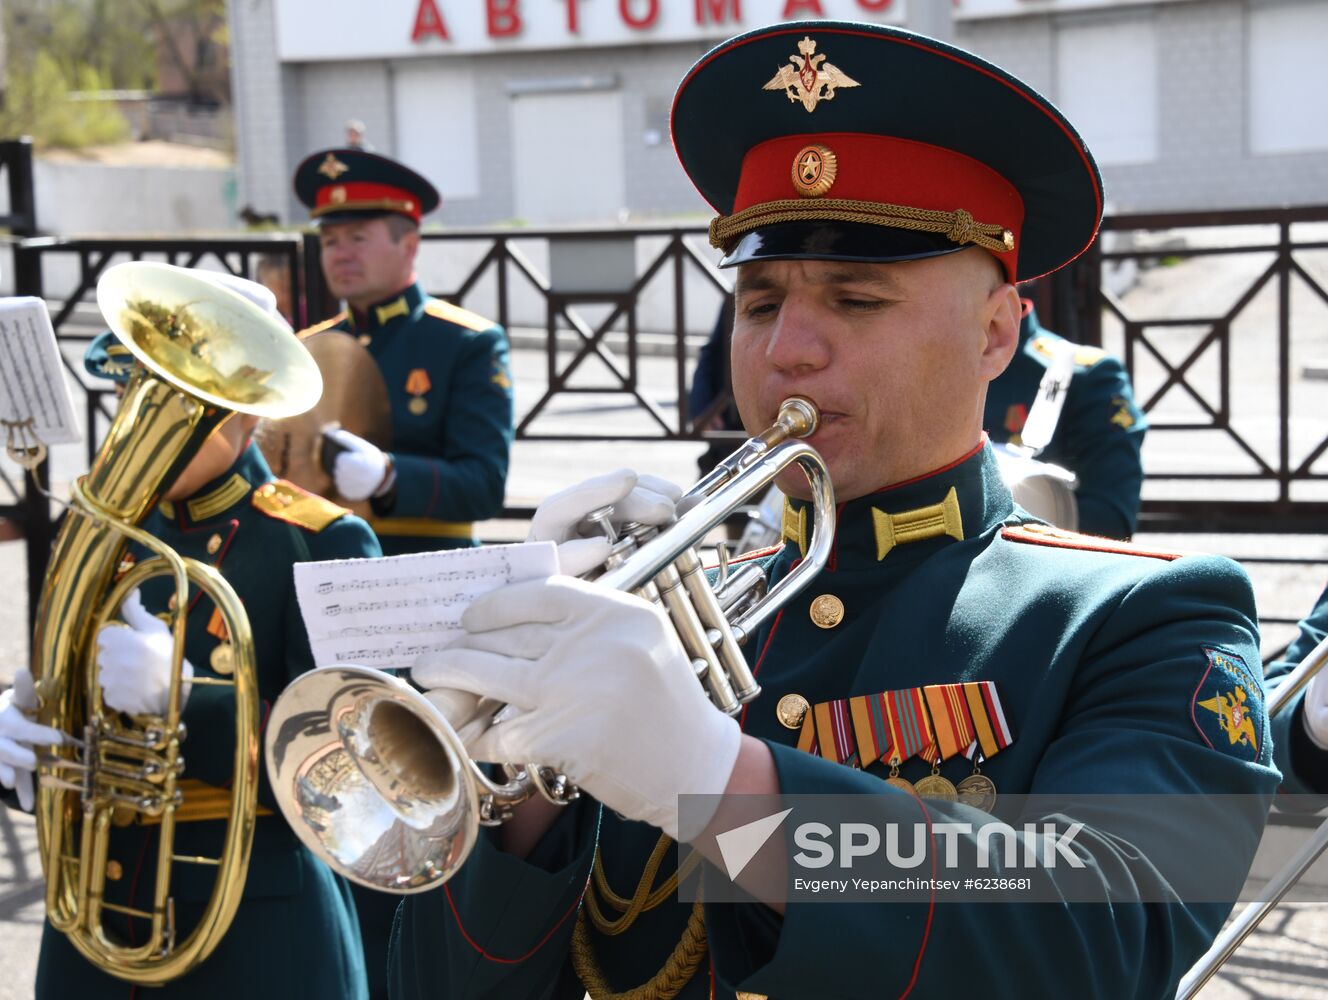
(375, 780)
(208, 352)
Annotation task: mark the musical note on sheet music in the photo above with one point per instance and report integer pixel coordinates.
(385, 612)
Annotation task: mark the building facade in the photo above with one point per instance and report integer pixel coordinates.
(549, 112)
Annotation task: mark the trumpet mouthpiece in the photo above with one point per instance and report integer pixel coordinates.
(798, 417)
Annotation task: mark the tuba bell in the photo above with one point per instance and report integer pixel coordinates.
(207, 352)
(375, 781)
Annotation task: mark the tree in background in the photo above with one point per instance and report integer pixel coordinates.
(59, 53)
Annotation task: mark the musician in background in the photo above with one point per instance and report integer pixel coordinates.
(1100, 430)
(880, 196)
(446, 368)
(1300, 731)
(295, 932)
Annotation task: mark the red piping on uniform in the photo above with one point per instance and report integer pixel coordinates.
(944, 468)
(931, 910)
(742, 719)
(447, 891)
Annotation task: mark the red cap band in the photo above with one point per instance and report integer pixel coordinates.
(885, 170)
(365, 196)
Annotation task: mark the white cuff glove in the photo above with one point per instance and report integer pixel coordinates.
(360, 470)
(641, 498)
(19, 734)
(135, 662)
(1315, 710)
(602, 691)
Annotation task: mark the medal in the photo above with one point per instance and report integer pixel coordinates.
(978, 791)
(223, 659)
(936, 786)
(895, 781)
(418, 406)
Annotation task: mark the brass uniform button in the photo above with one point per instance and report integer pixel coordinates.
(827, 611)
(213, 544)
(791, 710)
(364, 339)
(114, 871)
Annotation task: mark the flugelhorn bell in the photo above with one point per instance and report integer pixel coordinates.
(208, 340)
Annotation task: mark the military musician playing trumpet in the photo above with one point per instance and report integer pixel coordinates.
(294, 933)
(878, 196)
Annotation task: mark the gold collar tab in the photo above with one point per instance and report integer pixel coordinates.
(393, 309)
(794, 527)
(938, 519)
(229, 493)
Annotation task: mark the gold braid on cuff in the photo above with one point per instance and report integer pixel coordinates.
(958, 225)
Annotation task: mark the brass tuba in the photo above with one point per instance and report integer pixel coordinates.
(376, 782)
(208, 352)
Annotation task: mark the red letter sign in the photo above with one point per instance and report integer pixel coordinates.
(573, 25)
(651, 14)
(792, 7)
(879, 6)
(504, 18)
(716, 12)
(428, 21)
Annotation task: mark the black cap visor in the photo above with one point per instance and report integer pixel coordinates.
(849, 241)
(333, 218)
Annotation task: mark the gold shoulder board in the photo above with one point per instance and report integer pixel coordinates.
(1087, 357)
(320, 327)
(439, 309)
(287, 502)
(1045, 534)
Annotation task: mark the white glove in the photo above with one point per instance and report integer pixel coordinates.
(135, 662)
(1315, 711)
(641, 498)
(601, 690)
(360, 470)
(19, 734)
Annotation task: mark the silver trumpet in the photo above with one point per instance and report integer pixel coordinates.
(376, 782)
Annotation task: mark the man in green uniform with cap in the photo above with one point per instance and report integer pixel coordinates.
(295, 932)
(879, 193)
(1099, 432)
(446, 369)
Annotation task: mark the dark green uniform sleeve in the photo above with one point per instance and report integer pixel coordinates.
(1304, 765)
(1099, 438)
(466, 483)
(502, 926)
(1126, 730)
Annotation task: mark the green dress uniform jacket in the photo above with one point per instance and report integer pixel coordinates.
(450, 389)
(1100, 432)
(1304, 765)
(295, 932)
(1102, 656)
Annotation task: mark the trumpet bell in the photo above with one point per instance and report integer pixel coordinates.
(372, 779)
(208, 340)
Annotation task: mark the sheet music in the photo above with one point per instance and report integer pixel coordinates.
(32, 377)
(385, 612)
